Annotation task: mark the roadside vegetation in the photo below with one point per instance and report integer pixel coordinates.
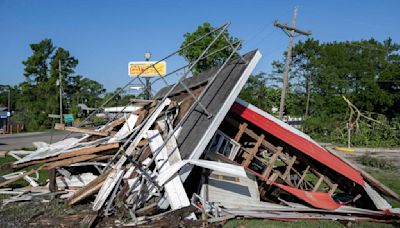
(366, 72)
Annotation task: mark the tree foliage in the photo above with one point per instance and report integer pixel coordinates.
(367, 72)
(38, 95)
(192, 52)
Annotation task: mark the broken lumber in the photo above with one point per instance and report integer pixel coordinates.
(70, 154)
(59, 126)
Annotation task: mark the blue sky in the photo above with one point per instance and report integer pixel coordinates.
(106, 35)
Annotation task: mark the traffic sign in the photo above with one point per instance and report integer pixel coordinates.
(55, 116)
(68, 118)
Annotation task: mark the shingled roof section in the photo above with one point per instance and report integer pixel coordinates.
(197, 130)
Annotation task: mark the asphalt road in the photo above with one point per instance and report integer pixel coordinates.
(18, 141)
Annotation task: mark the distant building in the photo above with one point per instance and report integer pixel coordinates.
(4, 114)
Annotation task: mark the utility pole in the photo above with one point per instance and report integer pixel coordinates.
(60, 83)
(293, 32)
(9, 108)
(147, 94)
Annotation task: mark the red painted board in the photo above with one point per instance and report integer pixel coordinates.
(317, 199)
(306, 146)
(320, 200)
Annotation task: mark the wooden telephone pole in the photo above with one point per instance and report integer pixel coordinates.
(60, 81)
(293, 32)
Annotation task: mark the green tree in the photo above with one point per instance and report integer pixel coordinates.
(37, 65)
(259, 94)
(39, 93)
(366, 72)
(84, 91)
(120, 99)
(194, 51)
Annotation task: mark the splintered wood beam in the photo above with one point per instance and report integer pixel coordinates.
(52, 165)
(268, 169)
(80, 130)
(303, 176)
(316, 186)
(253, 151)
(114, 124)
(70, 154)
(289, 167)
(239, 134)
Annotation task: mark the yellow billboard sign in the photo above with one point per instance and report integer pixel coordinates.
(139, 68)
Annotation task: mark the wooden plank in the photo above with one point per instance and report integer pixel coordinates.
(251, 133)
(253, 151)
(176, 194)
(223, 177)
(20, 176)
(274, 176)
(316, 186)
(52, 180)
(80, 130)
(109, 127)
(101, 198)
(268, 169)
(239, 134)
(140, 134)
(302, 177)
(69, 154)
(52, 165)
(326, 180)
(86, 131)
(89, 219)
(289, 167)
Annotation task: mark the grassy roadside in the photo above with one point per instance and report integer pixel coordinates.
(43, 174)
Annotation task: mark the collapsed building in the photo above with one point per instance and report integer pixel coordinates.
(195, 153)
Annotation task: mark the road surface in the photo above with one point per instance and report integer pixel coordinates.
(18, 141)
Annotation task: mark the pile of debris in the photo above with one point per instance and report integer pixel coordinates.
(197, 154)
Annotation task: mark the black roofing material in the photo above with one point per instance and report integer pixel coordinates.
(197, 123)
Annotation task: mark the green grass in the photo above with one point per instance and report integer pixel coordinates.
(43, 174)
(389, 178)
(379, 163)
